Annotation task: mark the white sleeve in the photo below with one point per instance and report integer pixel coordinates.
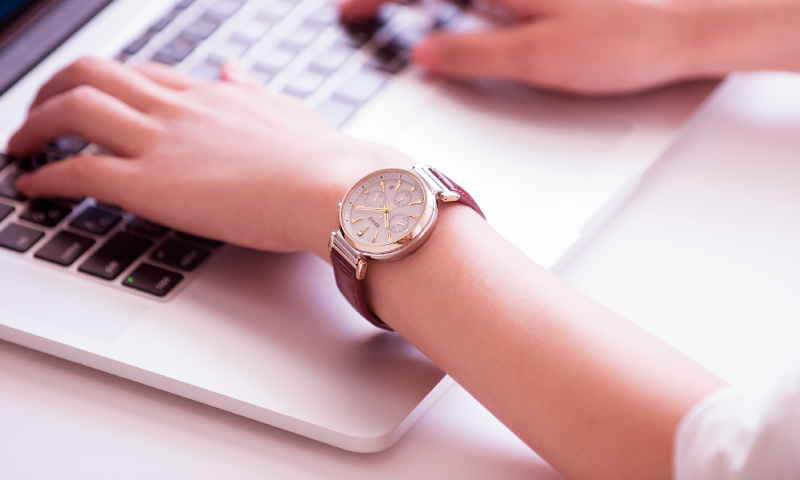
(742, 435)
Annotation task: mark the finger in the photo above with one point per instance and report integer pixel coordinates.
(107, 179)
(498, 53)
(167, 76)
(233, 71)
(89, 113)
(111, 77)
(518, 9)
(358, 10)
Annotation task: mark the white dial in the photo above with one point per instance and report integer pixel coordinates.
(385, 208)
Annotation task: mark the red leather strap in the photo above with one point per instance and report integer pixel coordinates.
(352, 288)
(464, 196)
(345, 273)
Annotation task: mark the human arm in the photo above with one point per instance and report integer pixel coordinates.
(613, 46)
(593, 394)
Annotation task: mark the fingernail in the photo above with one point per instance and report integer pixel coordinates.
(234, 71)
(24, 182)
(424, 53)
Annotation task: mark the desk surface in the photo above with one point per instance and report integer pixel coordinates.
(704, 254)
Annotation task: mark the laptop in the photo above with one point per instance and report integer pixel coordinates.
(268, 336)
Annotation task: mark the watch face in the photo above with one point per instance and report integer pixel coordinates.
(386, 210)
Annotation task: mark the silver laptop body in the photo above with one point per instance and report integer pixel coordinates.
(268, 336)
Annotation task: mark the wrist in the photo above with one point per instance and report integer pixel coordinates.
(344, 166)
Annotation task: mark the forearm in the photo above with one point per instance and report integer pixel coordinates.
(742, 35)
(595, 395)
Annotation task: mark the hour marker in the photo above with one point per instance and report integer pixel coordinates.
(398, 185)
(415, 203)
(366, 191)
(356, 219)
(413, 188)
(383, 187)
(374, 237)
(414, 216)
(390, 236)
(361, 232)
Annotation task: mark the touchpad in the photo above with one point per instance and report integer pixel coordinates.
(37, 296)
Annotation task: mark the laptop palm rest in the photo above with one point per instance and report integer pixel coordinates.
(267, 336)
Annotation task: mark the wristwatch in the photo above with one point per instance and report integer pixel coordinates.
(387, 215)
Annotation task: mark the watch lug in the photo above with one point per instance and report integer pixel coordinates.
(442, 191)
(448, 196)
(337, 242)
(330, 241)
(361, 269)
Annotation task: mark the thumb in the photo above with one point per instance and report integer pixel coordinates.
(498, 53)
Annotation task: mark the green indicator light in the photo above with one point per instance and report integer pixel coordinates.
(130, 279)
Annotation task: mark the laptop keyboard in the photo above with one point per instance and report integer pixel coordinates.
(297, 47)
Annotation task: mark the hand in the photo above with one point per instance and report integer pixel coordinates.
(225, 160)
(612, 46)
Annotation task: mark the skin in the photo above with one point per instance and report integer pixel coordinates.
(592, 47)
(593, 394)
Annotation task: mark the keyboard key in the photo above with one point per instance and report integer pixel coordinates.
(115, 256)
(206, 242)
(175, 51)
(70, 143)
(227, 50)
(4, 160)
(302, 36)
(274, 60)
(151, 279)
(19, 238)
(325, 15)
(390, 58)
(45, 212)
(254, 30)
(224, 8)
(180, 255)
(164, 21)
(8, 188)
(143, 228)
(31, 163)
(304, 84)
(201, 28)
(5, 210)
(442, 13)
(96, 220)
(336, 112)
(136, 45)
(358, 33)
(361, 86)
(208, 70)
(276, 9)
(332, 59)
(65, 248)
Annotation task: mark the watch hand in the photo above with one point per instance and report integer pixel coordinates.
(361, 207)
(385, 217)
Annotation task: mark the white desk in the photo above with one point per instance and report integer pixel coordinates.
(705, 255)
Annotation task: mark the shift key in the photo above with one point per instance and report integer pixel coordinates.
(115, 256)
